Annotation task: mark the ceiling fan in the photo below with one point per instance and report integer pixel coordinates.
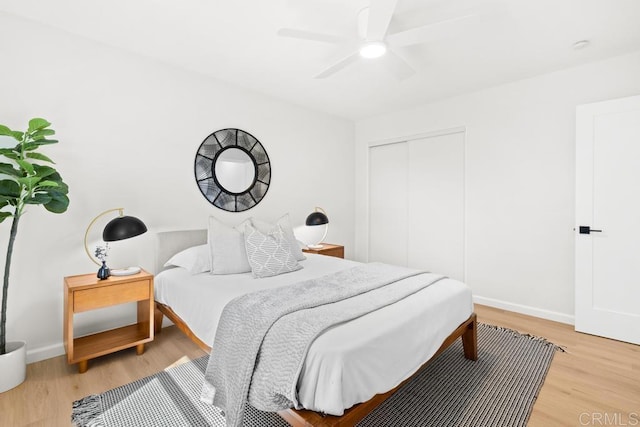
(374, 41)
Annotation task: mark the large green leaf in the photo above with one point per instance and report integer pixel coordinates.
(58, 204)
(37, 124)
(39, 156)
(5, 215)
(7, 169)
(40, 134)
(9, 153)
(45, 141)
(9, 189)
(5, 131)
(30, 146)
(62, 187)
(55, 176)
(6, 200)
(44, 171)
(39, 199)
(26, 166)
(48, 183)
(29, 181)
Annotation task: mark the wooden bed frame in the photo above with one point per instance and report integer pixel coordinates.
(304, 418)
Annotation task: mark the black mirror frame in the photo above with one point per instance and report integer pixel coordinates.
(204, 169)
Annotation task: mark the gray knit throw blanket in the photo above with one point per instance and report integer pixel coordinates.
(269, 332)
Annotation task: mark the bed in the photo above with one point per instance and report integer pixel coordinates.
(350, 368)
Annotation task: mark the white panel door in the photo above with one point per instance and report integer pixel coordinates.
(607, 276)
(388, 203)
(436, 204)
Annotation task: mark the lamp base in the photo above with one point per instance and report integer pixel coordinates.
(125, 271)
(310, 247)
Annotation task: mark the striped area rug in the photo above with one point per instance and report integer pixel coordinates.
(499, 389)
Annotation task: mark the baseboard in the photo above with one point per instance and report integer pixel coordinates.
(42, 353)
(525, 309)
(55, 350)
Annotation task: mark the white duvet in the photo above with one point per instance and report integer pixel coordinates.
(347, 364)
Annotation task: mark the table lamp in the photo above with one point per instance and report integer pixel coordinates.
(318, 217)
(120, 228)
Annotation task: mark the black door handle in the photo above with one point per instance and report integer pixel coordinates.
(585, 229)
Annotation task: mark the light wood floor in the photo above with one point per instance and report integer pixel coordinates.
(595, 380)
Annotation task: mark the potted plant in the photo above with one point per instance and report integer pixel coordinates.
(26, 178)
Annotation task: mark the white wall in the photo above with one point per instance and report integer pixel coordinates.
(129, 129)
(520, 168)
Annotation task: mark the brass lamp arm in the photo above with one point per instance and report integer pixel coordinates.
(86, 234)
(319, 209)
(326, 226)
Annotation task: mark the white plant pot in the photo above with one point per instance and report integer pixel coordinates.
(13, 365)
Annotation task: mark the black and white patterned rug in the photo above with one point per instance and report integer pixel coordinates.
(499, 389)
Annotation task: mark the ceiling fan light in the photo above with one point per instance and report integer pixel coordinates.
(373, 49)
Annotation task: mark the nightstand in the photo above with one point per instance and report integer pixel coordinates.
(328, 249)
(86, 292)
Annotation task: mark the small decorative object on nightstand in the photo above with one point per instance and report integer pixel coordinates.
(327, 249)
(86, 292)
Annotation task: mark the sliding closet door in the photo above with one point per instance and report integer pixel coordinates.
(416, 203)
(388, 191)
(436, 204)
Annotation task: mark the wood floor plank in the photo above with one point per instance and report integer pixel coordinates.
(52, 385)
(593, 378)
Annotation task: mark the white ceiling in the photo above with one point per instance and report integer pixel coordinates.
(236, 41)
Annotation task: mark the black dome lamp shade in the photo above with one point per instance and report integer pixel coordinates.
(120, 228)
(318, 217)
(123, 227)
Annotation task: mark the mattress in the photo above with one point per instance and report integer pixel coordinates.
(349, 363)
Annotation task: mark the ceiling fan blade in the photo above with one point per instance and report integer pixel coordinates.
(310, 35)
(338, 66)
(399, 67)
(380, 13)
(430, 32)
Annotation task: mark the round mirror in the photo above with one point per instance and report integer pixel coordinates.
(232, 170)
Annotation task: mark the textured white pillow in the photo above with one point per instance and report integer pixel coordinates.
(285, 224)
(195, 259)
(269, 254)
(228, 253)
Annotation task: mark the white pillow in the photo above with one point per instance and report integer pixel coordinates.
(269, 254)
(228, 253)
(285, 223)
(195, 259)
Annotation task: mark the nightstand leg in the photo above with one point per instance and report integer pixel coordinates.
(139, 349)
(83, 365)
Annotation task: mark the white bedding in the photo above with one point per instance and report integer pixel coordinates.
(349, 363)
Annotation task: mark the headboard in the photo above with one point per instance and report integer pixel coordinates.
(169, 243)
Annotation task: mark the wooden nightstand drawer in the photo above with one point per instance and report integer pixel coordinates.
(89, 299)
